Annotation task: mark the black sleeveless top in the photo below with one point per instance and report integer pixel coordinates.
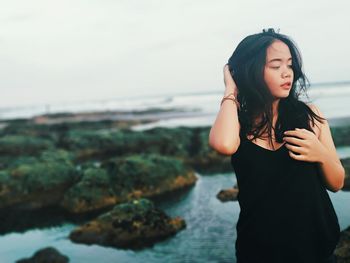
(286, 213)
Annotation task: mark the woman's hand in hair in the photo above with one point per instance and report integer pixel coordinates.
(230, 84)
(303, 145)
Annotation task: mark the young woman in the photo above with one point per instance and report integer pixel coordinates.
(282, 152)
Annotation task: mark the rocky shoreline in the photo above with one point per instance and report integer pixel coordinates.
(81, 167)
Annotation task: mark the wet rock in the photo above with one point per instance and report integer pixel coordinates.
(91, 193)
(125, 178)
(148, 175)
(342, 250)
(187, 144)
(340, 135)
(38, 184)
(346, 186)
(346, 164)
(15, 145)
(135, 224)
(46, 255)
(205, 159)
(229, 194)
(89, 144)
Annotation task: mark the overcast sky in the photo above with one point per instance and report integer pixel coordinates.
(69, 50)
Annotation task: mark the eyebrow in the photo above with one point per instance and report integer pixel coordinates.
(278, 59)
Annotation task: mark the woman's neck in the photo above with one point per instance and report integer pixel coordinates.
(275, 108)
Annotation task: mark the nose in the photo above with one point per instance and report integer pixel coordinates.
(286, 74)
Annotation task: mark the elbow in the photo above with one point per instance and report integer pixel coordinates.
(340, 184)
(342, 181)
(226, 149)
(335, 189)
(344, 178)
(223, 147)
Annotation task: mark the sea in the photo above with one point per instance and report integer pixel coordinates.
(210, 233)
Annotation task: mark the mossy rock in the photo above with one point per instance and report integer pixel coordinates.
(46, 255)
(38, 184)
(341, 135)
(23, 145)
(125, 178)
(149, 174)
(205, 159)
(342, 250)
(346, 164)
(136, 224)
(103, 144)
(92, 192)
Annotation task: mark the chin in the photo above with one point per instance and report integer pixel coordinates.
(283, 95)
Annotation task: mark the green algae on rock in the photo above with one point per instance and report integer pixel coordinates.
(346, 164)
(124, 178)
(22, 144)
(148, 175)
(38, 184)
(342, 250)
(135, 225)
(91, 193)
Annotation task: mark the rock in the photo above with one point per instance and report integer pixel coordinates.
(148, 175)
(46, 255)
(340, 135)
(346, 186)
(91, 193)
(190, 146)
(38, 184)
(205, 159)
(346, 164)
(135, 224)
(125, 178)
(90, 143)
(229, 194)
(15, 145)
(342, 250)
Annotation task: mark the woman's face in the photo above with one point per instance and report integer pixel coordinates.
(278, 73)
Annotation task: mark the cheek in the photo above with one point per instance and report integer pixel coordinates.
(269, 80)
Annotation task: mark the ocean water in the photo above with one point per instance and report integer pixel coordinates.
(332, 99)
(210, 233)
(209, 236)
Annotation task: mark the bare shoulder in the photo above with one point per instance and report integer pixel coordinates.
(317, 127)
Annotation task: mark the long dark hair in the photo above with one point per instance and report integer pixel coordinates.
(247, 69)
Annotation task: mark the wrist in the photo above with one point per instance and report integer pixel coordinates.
(230, 91)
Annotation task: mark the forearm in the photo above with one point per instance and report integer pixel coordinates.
(333, 173)
(224, 134)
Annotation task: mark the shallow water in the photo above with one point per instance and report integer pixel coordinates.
(209, 236)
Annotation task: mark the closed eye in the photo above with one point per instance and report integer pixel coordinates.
(277, 67)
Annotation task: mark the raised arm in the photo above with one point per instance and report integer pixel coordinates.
(224, 134)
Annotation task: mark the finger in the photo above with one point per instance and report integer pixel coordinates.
(296, 133)
(294, 140)
(304, 130)
(295, 149)
(296, 157)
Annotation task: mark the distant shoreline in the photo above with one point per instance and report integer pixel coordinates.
(339, 121)
(150, 115)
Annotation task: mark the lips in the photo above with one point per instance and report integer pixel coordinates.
(286, 85)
